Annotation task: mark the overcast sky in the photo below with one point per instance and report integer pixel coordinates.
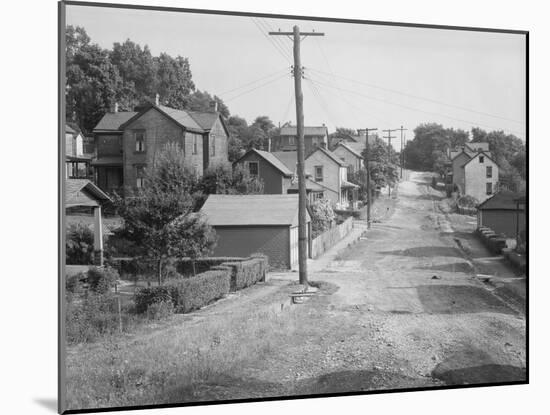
(357, 75)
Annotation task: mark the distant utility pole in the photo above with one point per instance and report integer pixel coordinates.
(401, 156)
(296, 37)
(369, 191)
(389, 137)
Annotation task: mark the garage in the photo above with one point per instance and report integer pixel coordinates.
(247, 224)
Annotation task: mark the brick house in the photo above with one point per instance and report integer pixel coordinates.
(352, 158)
(313, 137)
(126, 142)
(270, 226)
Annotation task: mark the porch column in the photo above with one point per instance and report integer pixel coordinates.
(98, 237)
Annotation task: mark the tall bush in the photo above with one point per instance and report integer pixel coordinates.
(79, 246)
(322, 216)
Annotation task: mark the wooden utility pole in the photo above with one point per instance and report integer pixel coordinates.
(296, 37)
(401, 157)
(389, 137)
(369, 191)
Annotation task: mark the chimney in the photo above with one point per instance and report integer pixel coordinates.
(116, 107)
(157, 99)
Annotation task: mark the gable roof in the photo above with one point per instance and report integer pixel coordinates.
(351, 150)
(271, 159)
(503, 200)
(73, 188)
(229, 210)
(484, 146)
(479, 154)
(293, 130)
(69, 129)
(329, 155)
(288, 158)
(207, 120)
(179, 116)
(112, 121)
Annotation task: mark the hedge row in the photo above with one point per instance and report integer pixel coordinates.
(184, 266)
(495, 242)
(188, 294)
(246, 273)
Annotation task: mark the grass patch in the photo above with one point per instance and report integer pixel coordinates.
(166, 365)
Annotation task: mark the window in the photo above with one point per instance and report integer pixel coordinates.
(140, 141)
(253, 168)
(318, 173)
(489, 188)
(481, 159)
(140, 176)
(213, 145)
(319, 195)
(195, 144)
(489, 170)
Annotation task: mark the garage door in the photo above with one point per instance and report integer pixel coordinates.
(294, 246)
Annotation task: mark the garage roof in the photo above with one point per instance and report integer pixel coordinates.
(252, 210)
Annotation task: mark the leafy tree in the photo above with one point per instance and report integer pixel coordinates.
(322, 216)
(202, 101)
(138, 70)
(191, 236)
(93, 82)
(174, 80)
(343, 130)
(148, 214)
(235, 148)
(221, 179)
(382, 163)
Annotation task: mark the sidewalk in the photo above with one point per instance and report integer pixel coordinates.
(320, 263)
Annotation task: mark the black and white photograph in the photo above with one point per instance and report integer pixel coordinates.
(259, 206)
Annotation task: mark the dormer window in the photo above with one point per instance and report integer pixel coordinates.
(481, 159)
(139, 137)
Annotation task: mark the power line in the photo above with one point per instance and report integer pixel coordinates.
(275, 45)
(278, 40)
(355, 106)
(255, 88)
(253, 82)
(417, 109)
(421, 98)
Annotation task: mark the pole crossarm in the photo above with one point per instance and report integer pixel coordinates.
(300, 34)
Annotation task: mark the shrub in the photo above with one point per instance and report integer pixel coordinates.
(434, 182)
(195, 292)
(145, 297)
(322, 216)
(184, 266)
(246, 273)
(160, 310)
(79, 244)
(467, 201)
(101, 279)
(92, 317)
(75, 283)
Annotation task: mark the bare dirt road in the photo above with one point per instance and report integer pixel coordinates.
(400, 309)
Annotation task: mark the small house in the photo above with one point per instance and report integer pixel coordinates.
(275, 175)
(352, 158)
(288, 137)
(504, 213)
(247, 224)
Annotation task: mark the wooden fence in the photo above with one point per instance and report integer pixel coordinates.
(328, 239)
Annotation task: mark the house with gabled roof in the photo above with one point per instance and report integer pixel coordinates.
(276, 176)
(504, 213)
(269, 226)
(77, 163)
(126, 142)
(475, 174)
(350, 156)
(314, 136)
